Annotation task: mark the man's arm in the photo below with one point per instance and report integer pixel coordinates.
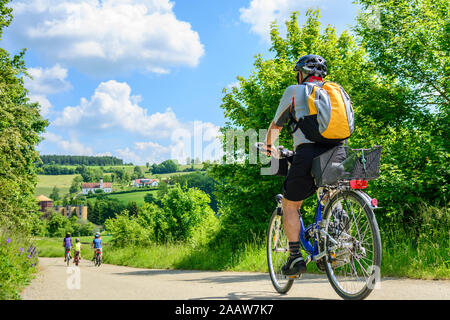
(281, 118)
(272, 135)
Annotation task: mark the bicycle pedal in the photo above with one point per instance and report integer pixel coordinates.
(298, 276)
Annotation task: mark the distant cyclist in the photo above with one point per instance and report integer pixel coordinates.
(77, 248)
(97, 244)
(67, 244)
(297, 104)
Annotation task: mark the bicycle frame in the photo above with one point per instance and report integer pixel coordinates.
(313, 250)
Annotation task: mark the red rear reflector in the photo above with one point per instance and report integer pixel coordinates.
(358, 184)
(374, 202)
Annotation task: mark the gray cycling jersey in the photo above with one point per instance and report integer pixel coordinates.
(302, 92)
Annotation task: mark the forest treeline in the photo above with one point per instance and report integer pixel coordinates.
(81, 160)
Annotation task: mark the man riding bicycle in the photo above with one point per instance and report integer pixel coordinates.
(299, 183)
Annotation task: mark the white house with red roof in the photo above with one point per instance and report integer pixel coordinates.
(145, 183)
(92, 186)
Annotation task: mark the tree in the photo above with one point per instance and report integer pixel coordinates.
(198, 180)
(162, 190)
(132, 208)
(167, 166)
(55, 194)
(149, 198)
(183, 212)
(138, 172)
(410, 43)
(75, 187)
(20, 127)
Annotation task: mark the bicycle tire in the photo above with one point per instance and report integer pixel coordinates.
(375, 252)
(282, 284)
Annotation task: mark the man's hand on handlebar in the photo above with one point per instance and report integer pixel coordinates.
(269, 151)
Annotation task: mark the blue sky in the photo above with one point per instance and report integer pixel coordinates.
(136, 78)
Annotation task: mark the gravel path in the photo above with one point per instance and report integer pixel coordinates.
(55, 281)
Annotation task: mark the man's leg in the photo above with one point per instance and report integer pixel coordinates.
(295, 264)
(291, 219)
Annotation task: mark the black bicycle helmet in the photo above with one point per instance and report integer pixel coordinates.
(313, 65)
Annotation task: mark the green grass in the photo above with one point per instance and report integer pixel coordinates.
(47, 182)
(137, 197)
(419, 258)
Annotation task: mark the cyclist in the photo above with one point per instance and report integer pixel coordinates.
(77, 248)
(67, 244)
(97, 244)
(299, 184)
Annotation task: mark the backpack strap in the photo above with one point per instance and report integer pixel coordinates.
(292, 120)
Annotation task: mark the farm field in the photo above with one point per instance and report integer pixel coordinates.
(46, 183)
(137, 197)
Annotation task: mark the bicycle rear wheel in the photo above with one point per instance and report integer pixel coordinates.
(277, 253)
(354, 266)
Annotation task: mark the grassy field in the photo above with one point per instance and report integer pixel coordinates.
(62, 182)
(46, 183)
(137, 197)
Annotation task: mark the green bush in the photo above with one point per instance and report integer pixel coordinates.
(184, 215)
(127, 231)
(185, 211)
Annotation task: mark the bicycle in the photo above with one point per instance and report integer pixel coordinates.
(97, 258)
(67, 256)
(344, 239)
(76, 258)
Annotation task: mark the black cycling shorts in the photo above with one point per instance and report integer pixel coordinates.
(299, 183)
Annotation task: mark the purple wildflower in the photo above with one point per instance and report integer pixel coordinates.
(22, 250)
(8, 241)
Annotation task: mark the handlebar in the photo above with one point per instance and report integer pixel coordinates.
(282, 151)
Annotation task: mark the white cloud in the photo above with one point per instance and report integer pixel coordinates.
(261, 13)
(47, 80)
(108, 36)
(151, 145)
(112, 106)
(44, 82)
(129, 156)
(113, 109)
(69, 147)
(43, 102)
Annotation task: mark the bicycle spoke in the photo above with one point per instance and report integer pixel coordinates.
(349, 269)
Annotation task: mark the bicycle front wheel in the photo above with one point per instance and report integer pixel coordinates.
(277, 253)
(353, 264)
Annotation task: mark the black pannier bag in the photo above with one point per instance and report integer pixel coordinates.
(360, 164)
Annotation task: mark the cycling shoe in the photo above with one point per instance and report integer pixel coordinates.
(294, 266)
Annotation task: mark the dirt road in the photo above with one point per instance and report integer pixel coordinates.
(56, 281)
